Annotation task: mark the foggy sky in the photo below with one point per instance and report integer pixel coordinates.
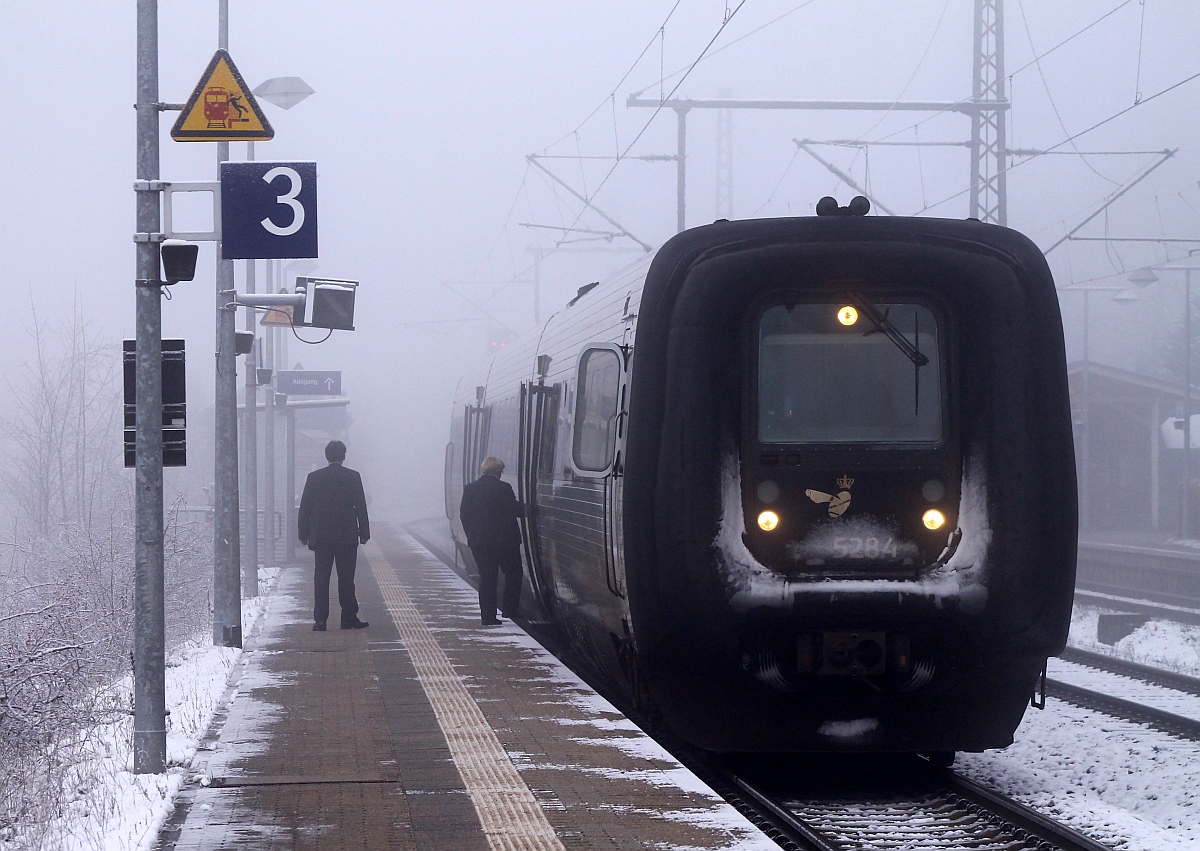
(423, 115)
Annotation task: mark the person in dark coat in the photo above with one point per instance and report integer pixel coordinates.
(489, 514)
(332, 523)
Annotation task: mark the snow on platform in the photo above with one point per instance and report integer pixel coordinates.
(427, 731)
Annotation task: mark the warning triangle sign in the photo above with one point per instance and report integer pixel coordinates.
(222, 109)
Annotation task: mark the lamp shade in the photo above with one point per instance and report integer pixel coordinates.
(283, 92)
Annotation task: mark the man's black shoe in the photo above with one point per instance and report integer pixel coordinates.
(355, 624)
(318, 627)
(511, 615)
(495, 622)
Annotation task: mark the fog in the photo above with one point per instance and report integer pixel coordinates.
(424, 114)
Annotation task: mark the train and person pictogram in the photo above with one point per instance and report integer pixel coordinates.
(217, 105)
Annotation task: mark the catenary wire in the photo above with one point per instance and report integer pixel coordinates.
(659, 108)
(1137, 84)
(739, 39)
(937, 27)
(500, 234)
(1024, 67)
(624, 77)
(1050, 96)
(611, 98)
(778, 183)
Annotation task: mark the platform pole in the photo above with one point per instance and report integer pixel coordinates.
(227, 600)
(149, 667)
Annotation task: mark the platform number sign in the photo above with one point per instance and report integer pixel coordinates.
(268, 210)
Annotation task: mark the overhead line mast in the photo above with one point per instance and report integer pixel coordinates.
(989, 140)
(986, 107)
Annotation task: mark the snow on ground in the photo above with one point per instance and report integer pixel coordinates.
(1124, 784)
(1161, 644)
(117, 810)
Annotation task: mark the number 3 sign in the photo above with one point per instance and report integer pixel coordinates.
(268, 210)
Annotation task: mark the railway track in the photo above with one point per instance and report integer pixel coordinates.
(902, 806)
(884, 803)
(1145, 673)
(1164, 700)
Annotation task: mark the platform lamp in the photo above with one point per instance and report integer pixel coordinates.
(1121, 295)
(298, 268)
(283, 92)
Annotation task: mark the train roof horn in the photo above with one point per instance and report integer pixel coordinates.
(858, 206)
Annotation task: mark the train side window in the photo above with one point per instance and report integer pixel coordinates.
(549, 434)
(596, 410)
(447, 478)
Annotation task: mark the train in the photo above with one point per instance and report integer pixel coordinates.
(798, 484)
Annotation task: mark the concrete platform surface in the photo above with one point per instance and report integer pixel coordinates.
(426, 731)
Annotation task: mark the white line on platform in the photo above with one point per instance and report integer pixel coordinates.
(510, 815)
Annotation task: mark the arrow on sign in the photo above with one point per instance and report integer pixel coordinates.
(299, 382)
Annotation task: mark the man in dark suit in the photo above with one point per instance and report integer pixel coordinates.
(332, 523)
(489, 514)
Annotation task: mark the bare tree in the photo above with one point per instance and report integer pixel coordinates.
(63, 427)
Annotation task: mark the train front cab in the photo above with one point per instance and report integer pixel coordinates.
(881, 556)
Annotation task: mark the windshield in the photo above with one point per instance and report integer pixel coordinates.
(827, 374)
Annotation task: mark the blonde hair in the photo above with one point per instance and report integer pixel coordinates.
(491, 466)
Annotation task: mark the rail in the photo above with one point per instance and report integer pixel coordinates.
(940, 809)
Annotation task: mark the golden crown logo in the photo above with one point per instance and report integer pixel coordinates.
(845, 482)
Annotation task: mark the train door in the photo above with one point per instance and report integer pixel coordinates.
(598, 443)
(535, 465)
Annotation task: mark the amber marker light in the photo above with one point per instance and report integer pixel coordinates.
(768, 520)
(933, 519)
(847, 315)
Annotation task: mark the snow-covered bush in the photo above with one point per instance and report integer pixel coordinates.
(67, 569)
(65, 641)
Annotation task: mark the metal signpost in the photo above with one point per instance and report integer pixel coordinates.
(222, 109)
(267, 210)
(149, 643)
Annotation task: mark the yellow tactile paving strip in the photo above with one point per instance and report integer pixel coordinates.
(507, 809)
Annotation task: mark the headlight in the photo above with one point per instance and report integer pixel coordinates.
(933, 519)
(847, 315)
(768, 520)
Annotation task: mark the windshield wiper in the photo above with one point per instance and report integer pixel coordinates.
(881, 323)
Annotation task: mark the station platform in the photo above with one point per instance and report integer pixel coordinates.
(427, 731)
